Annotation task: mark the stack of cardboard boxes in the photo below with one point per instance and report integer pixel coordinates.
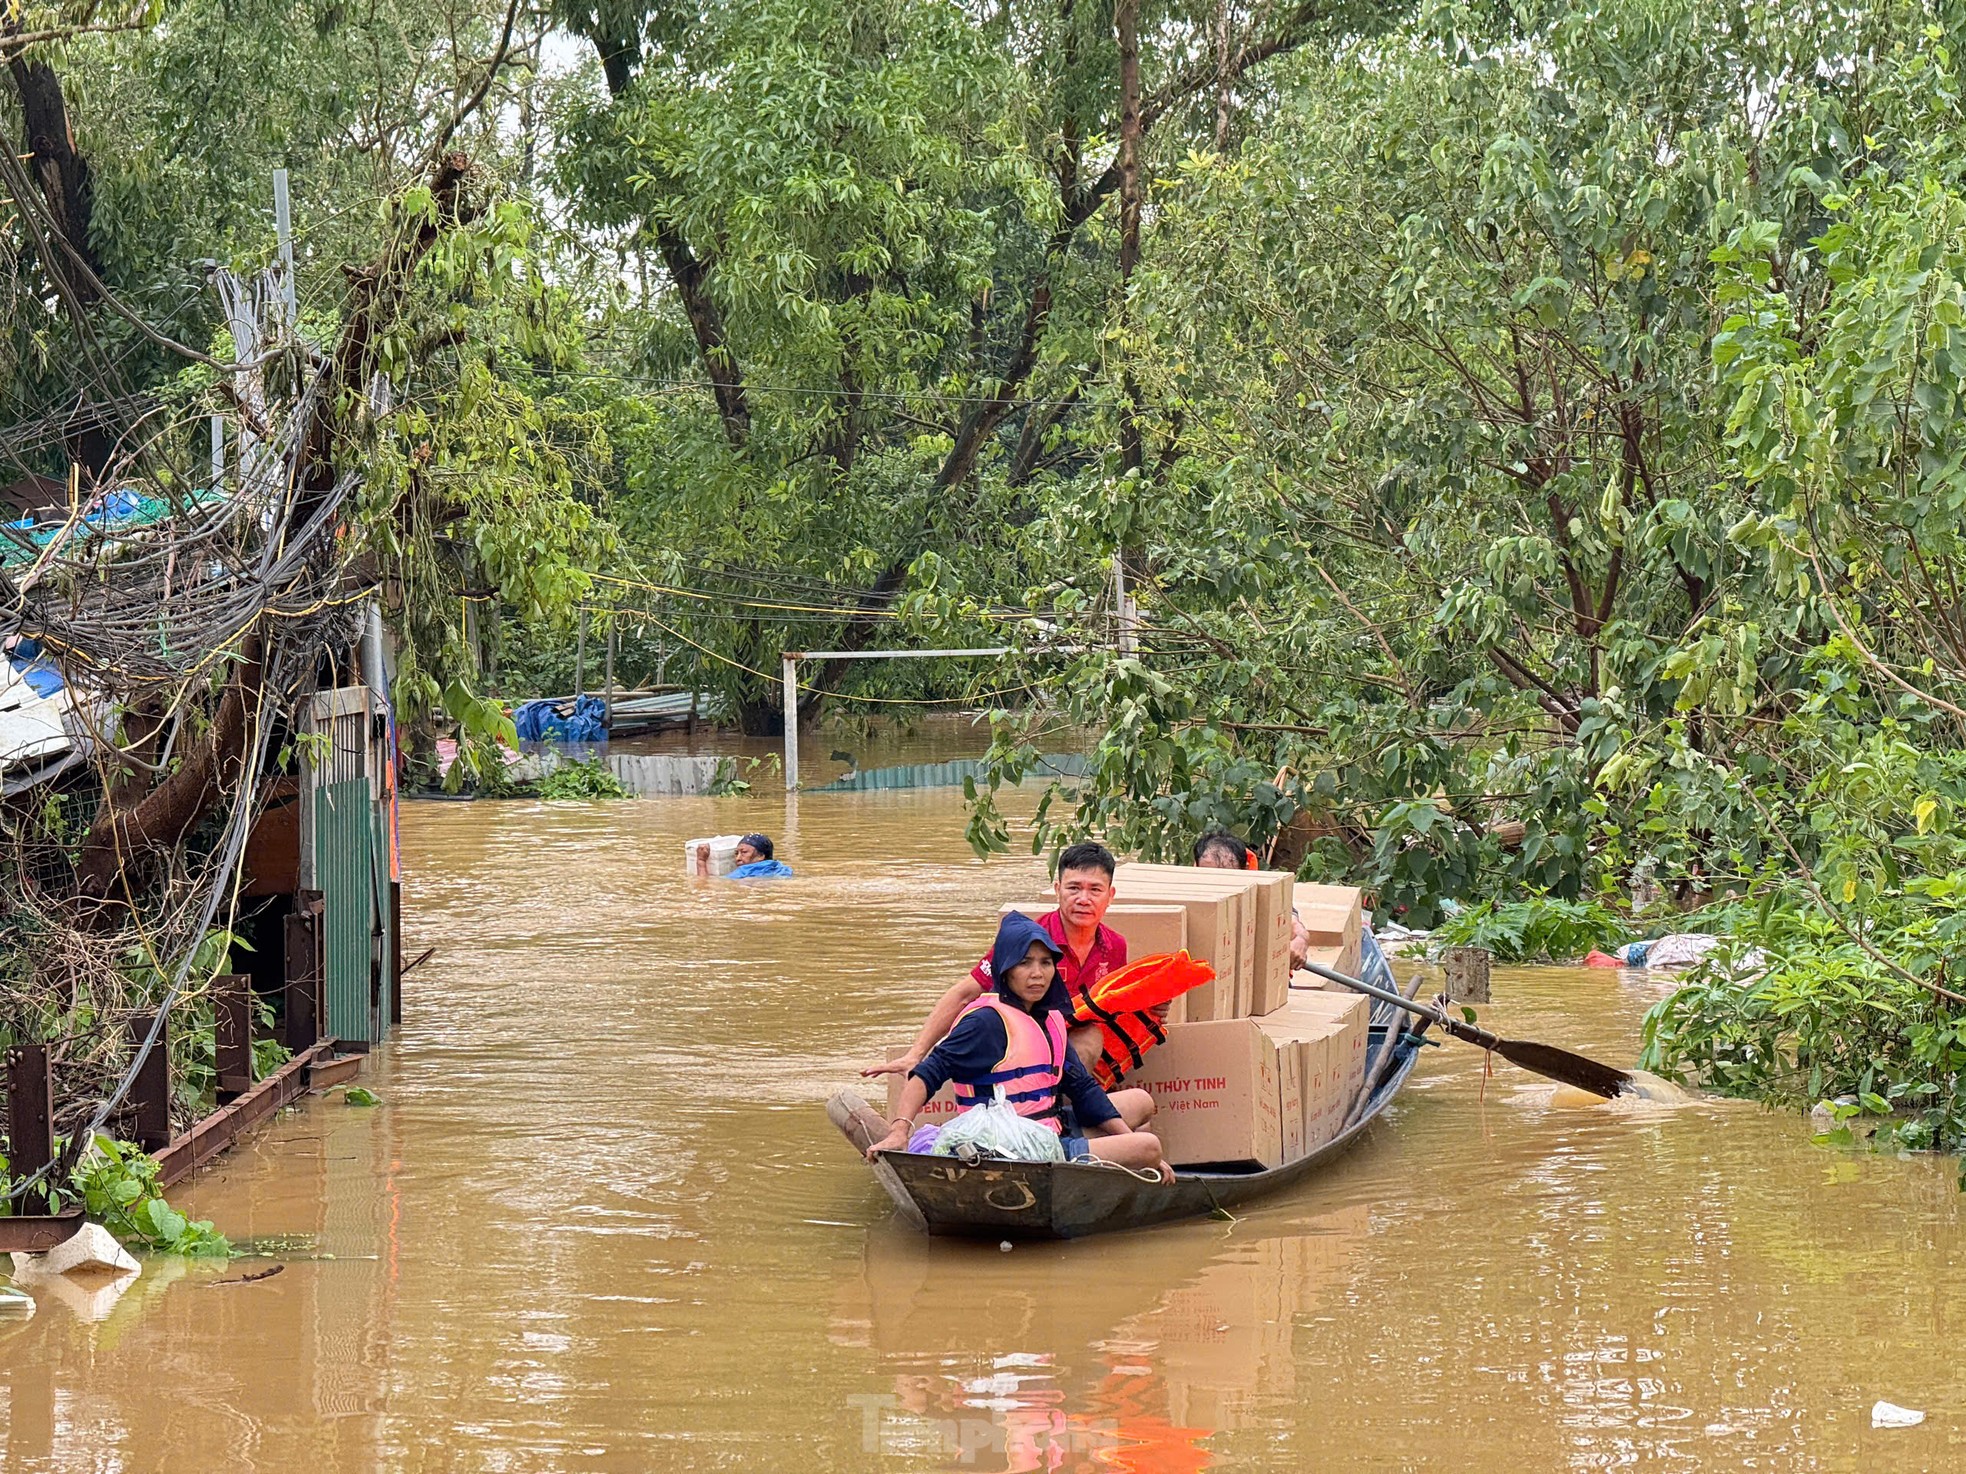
(1255, 1071)
(1253, 1038)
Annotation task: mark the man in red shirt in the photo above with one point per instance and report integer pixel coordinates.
(1084, 891)
(1092, 949)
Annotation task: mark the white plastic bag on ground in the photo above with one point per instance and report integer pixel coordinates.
(994, 1129)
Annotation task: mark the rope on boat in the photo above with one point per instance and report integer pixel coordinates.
(1135, 1172)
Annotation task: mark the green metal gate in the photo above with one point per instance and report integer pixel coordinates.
(342, 866)
(351, 865)
(385, 964)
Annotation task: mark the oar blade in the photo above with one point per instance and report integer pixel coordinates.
(1565, 1068)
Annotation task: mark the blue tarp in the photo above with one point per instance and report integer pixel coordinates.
(41, 677)
(540, 721)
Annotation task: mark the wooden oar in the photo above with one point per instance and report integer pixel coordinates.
(1539, 1059)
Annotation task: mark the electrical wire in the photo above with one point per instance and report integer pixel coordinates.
(232, 848)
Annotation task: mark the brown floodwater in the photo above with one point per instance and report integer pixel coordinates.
(599, 1222)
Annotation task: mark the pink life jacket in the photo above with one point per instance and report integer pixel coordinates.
(1032, 1067)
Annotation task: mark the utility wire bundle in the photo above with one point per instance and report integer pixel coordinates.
(187, 638)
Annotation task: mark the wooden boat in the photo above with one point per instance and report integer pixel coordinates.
(1066, 1200)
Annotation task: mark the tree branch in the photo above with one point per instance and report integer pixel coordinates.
(477, 98)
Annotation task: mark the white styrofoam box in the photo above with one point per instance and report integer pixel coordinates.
(712, 855)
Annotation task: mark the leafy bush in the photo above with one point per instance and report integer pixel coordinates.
(1819, 1015)
(118, 1184)
(727, 784)
(1540, 929)
(581, 780)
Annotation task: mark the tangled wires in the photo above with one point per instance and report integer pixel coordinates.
(188, 629)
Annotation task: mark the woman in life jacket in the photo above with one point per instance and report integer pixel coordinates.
(1014, 1037)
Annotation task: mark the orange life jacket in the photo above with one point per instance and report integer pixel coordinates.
(1121, 1003)
(1032, 1067)
(1160, 978)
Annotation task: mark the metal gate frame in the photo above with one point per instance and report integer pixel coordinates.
(345, 856)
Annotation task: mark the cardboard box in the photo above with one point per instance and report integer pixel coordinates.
(1301, 1036)
(1275, 900)
(1290, 1099)
(1330, 1032)
(1233, 924)
(1212, 931)
(1149, 931)
(1334, 915)
(1266, 933)
(1340, 1048)
(1216, 1095)
(941, 1108)
(1325, 1104)
(1216, 920)
(1331, 957)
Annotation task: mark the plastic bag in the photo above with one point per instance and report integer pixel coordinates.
(923, 1139)
(994, 1129)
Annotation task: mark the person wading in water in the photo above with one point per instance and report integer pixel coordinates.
(755, 860)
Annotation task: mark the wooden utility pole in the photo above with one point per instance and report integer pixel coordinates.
(1467, 973)
(1126, 22)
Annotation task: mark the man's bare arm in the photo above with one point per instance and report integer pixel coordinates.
(941, 1019)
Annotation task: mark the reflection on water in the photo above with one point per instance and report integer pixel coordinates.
(599, 1223)
(1049, 1355)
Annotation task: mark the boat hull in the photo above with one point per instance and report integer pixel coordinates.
(1067, 1200)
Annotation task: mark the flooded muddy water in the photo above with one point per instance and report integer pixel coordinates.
(599, 1222)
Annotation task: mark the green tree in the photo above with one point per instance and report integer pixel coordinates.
(1448, 536)
(890, 272)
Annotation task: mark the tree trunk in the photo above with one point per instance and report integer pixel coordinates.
(688, 272)
(123, 837)
(691, 278)
(63, 175)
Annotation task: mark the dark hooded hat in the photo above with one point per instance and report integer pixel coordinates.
(1015, 934)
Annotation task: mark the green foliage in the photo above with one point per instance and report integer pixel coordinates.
(1536, 929)
(117, 1183)
(193, 1035)
(1844, 983)
(1533, 434)
(484, 471)
(357, 1095)
(862, 177)
(1817, 1017)
(590, 779)
(1469, 510)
